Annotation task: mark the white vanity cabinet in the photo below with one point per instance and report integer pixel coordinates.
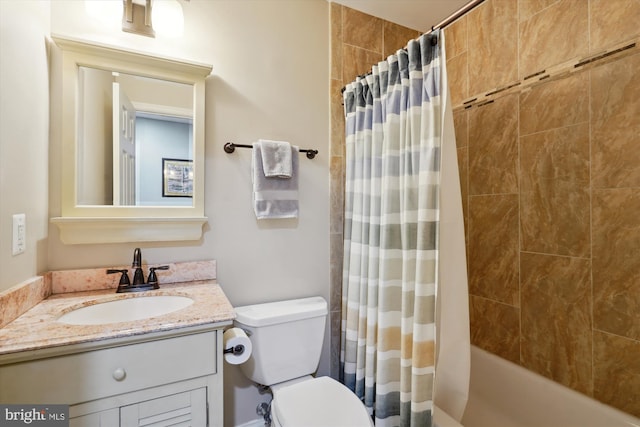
(168, 378)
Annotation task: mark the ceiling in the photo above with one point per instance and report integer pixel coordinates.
(419, 15)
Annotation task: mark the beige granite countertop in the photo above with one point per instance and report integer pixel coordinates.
(38, 328)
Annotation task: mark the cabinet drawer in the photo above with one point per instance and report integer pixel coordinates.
(81, 377)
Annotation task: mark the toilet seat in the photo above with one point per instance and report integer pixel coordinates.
(318, 402)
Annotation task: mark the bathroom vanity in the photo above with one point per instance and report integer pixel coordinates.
(142, 372)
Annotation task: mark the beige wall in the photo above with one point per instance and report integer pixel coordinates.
(24, 135)
(270, 80)
(551, 188)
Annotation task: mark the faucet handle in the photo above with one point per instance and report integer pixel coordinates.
(153, 279)
(124, 279)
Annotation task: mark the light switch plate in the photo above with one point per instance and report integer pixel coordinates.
(19, 234)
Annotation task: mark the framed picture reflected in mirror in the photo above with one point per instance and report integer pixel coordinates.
(177, 178)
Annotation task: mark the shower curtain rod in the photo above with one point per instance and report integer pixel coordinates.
(450, 19)
(457, 14)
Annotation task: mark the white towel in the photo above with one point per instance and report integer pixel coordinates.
(276, 158)
(274, 197)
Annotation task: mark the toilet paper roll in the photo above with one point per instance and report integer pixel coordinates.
(237, 346)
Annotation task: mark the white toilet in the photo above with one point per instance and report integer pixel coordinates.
(286, 339)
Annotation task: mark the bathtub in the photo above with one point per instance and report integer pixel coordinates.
(507, 395)
(442, 419)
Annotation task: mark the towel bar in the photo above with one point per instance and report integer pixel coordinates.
(230, 147)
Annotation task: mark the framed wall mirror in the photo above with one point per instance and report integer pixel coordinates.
(122, 114)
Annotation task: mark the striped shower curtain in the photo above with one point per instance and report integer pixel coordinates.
(394, 121)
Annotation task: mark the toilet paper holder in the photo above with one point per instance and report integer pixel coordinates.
(236, 350)
(238, 345)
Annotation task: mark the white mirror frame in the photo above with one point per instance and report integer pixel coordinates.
(117, 224)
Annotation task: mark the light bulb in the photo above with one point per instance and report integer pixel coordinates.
(167, 18)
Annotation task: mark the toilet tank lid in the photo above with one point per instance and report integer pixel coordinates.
(281, 311)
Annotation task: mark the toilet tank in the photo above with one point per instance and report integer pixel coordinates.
(286, 337)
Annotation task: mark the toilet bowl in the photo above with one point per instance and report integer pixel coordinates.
(286, 339)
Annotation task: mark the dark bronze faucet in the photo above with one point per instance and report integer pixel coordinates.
(138, 276)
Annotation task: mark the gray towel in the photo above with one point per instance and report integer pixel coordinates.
(276, 158)
(274, 197)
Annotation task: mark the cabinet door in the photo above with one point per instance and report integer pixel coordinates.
(108, 418)
(183, 409)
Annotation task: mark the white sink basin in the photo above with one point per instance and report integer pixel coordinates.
(126, 310)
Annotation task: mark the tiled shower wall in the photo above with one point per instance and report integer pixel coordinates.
(550, 180)
(551, 190)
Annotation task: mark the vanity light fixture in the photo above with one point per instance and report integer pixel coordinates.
(136, 17)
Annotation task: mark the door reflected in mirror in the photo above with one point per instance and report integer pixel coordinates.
(127, 125)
